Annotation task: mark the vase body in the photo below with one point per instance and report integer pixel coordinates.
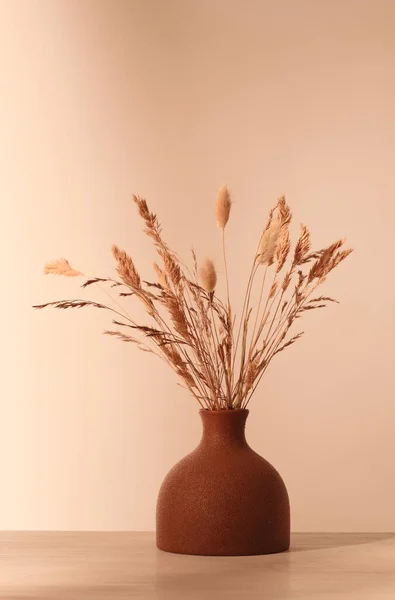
(223, 499)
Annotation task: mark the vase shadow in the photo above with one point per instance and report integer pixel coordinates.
(325, 541)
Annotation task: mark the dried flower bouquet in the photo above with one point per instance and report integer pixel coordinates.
(220, 359)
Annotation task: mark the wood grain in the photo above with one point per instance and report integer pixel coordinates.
(96, 566)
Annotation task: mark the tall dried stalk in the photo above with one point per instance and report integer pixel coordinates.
(191, 329)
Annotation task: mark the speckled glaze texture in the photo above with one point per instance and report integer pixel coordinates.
(223, 499)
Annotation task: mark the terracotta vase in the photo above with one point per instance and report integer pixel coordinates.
(223, 499)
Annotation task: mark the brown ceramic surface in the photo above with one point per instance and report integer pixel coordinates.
(223, 498)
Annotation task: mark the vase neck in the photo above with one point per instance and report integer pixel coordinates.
(224, 427)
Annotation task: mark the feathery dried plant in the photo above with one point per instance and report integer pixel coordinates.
(191, 329)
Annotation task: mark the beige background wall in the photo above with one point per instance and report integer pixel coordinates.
(100, 99)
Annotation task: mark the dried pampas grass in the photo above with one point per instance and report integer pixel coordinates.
(191, 329)
(268, 244)
(61, 267)
(208, 275)
(222, 207)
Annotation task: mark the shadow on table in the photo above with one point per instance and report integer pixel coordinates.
(325, 541)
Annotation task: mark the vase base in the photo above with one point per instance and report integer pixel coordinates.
(271, 547)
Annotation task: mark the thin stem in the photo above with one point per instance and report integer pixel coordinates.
(230, 371)
(259, 307)
(245, 308)
(275, 314)
(250, 283)
(103, 289)
(226, 267)
(279, 330)
(200, 356)
(216, 339)
(265, 316)
(200, 350)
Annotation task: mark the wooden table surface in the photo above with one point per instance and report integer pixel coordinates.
(96, 566)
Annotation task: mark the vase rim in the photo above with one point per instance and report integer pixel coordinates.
(227, 411)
